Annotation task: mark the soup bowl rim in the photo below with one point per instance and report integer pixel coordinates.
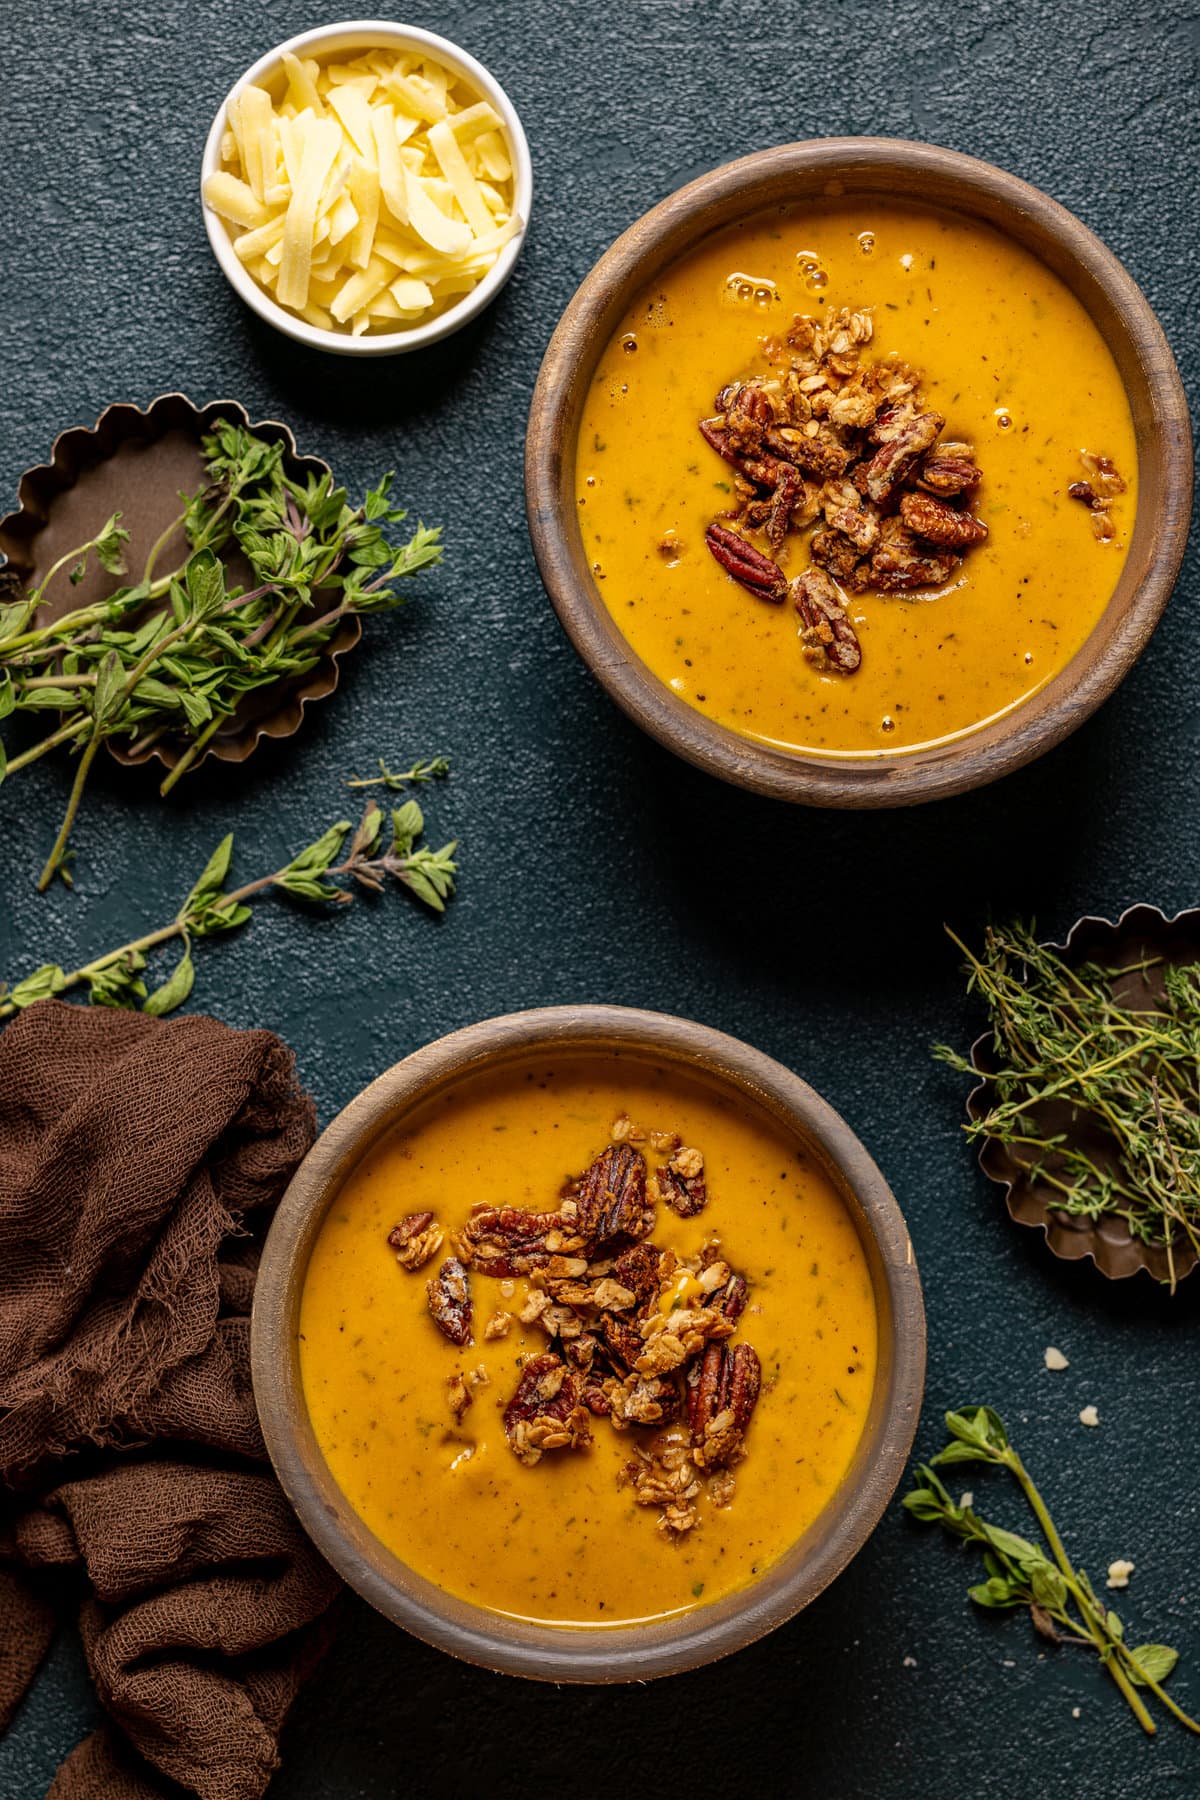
(585, 1653)
(753, 185)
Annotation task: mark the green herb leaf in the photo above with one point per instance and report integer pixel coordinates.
(109, 692)
(41, 985)
(118, 983)
(175, 990)
(1154, 1662)
(212, 877)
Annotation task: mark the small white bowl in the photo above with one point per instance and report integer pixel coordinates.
(354, 36)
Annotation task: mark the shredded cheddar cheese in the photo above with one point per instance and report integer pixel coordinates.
(365, 195)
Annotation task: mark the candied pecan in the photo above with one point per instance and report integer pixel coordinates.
(762, 469)
(1080, 490)
(949, 469)
(450, 1301)
(1102, 525)
(827, 635)
(940, 524)
(748, 413)
(506, 1241)
(544, 1412)
(756, 572)
(783, 501)
(580, 1351)
(722, 1391)
(622, 1341)
(644, 1268)
(596, 1401)
(834, 551)
(1103, 476)
(814, 451)
(726, 1292)
(612, 1196)
(903, 437)
(848, 513)
(415, 1239)
(900, 562)
(682, 1185)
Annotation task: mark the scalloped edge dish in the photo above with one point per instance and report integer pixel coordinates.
(80, 450)
(1115, 1253)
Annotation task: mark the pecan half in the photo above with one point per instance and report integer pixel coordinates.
(788, 493)
(848, 513)
(932, 519)
(748, 414)
(761, 468)
(901, 561)
(682, 1185)
(545, 1411)
(722, 1391)
(903, 437)
(415, 1239)
(611, 1201)
(644, 1268)
(450, 1301)
(505, 1241)
(834, 551)
(949, 469)
(756, 572)
(816, 452)
(828, 637)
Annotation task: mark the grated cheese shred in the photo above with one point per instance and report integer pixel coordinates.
(366, 194)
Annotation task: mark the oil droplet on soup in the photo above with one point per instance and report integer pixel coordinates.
(1006, 353)
(561, 1541)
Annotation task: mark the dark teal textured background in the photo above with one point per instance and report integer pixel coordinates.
(595, 867)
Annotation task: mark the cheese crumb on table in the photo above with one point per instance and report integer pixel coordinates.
(1089, 1416)
(1054, 1359)
(1119, 1573)
(967, 1500)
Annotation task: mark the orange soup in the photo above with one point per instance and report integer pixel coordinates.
(614, 1525)
(1006, 356)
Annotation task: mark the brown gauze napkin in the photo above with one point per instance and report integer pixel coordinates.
(140, 1160)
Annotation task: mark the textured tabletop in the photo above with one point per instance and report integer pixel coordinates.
(596, 867)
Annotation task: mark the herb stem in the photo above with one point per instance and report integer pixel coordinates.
(161, 541)
(62, 736)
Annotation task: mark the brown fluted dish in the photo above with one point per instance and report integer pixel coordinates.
(138, 462)
(1140, 931)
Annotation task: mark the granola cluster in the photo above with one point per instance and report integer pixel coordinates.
(826, 441)
(1100, 487)
(635, 1335)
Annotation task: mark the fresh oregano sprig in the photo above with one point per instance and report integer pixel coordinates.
(175, 654)
(382, 847)
(1062, 1603)
(1129, 1072)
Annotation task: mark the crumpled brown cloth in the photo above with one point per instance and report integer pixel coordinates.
(139, 1161)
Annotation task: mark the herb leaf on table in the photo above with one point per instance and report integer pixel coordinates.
(380, 850)
(1062, 1603)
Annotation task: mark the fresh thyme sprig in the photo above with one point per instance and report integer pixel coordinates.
(1062, 1603)
(1131, 1077)
(380, 848)
(430, 770)
(175, 654)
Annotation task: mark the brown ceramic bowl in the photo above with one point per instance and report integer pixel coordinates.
(835, 167)
(571, 1653)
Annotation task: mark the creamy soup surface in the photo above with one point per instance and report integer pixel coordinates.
(1007, 355)
(562, 1541)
